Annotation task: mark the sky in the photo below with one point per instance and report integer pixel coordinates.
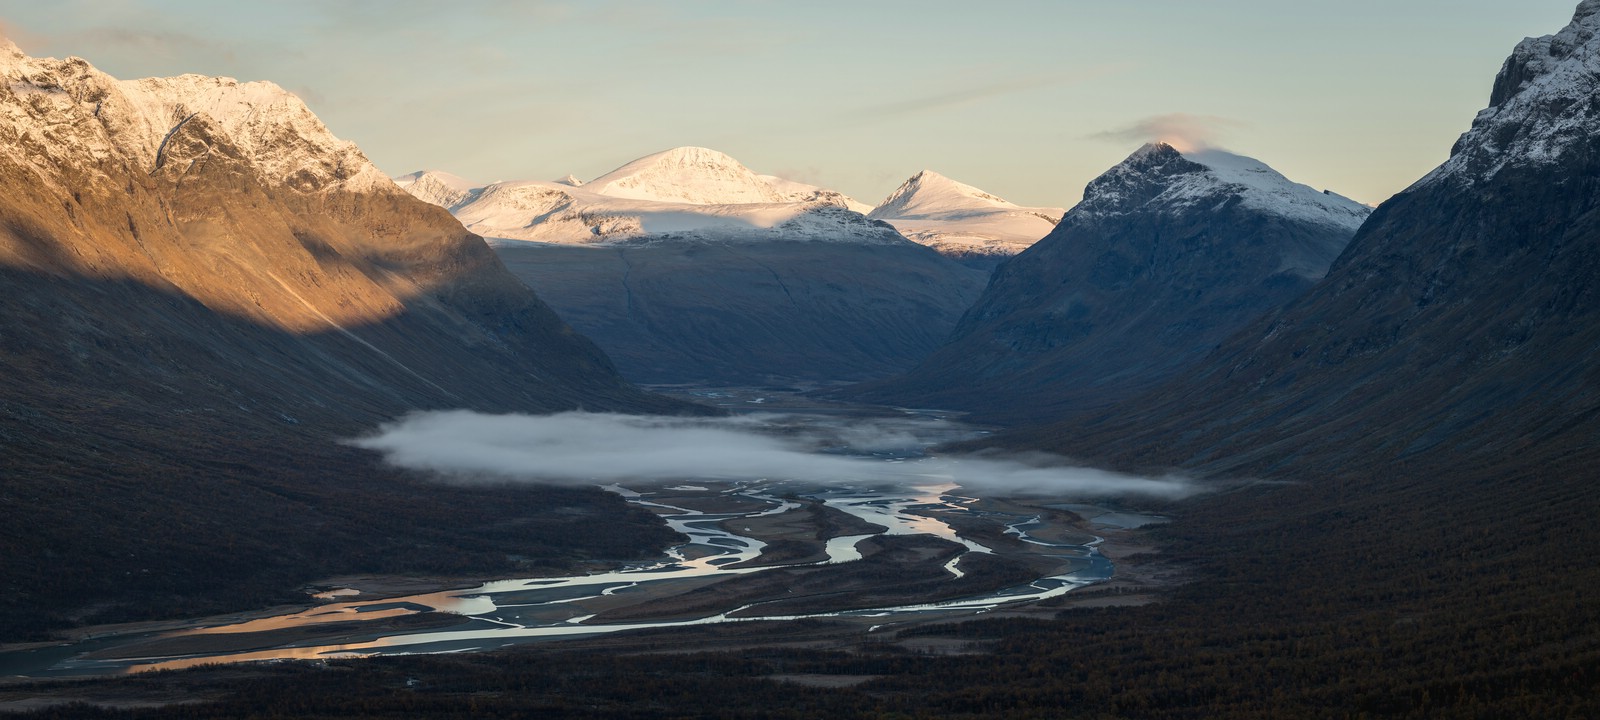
(1027, 99)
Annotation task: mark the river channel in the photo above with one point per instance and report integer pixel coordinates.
(954, 529)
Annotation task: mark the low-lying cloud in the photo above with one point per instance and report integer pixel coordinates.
(600, 448)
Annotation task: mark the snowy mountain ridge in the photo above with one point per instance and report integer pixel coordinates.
(133, 119)
(680, 194)
(1158, 176)
(794, 191)
(1540, 108)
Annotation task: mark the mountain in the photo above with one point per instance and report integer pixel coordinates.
(1167, 255)
(687, 267)
(202, 292)
(963, 222)
(686, 192)
(1460, 325)
(690, 175)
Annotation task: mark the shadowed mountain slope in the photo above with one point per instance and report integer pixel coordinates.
(1166, 256)
(201, 292)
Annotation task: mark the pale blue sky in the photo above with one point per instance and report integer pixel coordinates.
(1028, 99)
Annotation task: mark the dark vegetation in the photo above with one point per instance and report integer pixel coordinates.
(1324, 599)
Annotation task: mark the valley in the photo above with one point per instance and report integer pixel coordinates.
(871, 558)
(285, 435)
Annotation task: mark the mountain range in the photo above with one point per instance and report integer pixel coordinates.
(687, 267)
(707, 195)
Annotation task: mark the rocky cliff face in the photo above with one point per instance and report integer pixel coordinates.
(1458, 329)
(1165, 257)
(201, 291)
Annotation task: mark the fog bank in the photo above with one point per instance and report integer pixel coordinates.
(600, 448)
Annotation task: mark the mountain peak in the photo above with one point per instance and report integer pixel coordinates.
(693, 175)
(1153, 150)
(136, 119)
(1540, 109)
(962, 221)
(570, 180)
(1158, 176)
(928, 194)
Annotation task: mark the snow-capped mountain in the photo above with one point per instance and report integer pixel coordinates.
(135, 121)
(1167, 254)
(960, 220)
(1185, 179)
(680, 194)
(1157, 178)
(688, 175)
(236, 198)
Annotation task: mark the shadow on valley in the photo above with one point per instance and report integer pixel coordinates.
(758, 312)
(165, 460)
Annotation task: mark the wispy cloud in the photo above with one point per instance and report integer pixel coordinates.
(161, 43)
(1181, 130)
(591, 448)
(975, 92)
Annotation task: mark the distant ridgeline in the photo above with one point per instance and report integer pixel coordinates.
(686, 266)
